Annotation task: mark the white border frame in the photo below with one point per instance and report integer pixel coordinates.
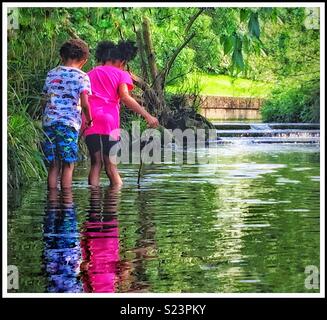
(321, 5)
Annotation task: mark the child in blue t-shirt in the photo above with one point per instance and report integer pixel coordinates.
(66, 91)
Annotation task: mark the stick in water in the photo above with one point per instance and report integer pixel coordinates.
(141, 160)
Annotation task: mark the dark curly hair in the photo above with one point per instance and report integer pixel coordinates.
(103, 50)
(75, 49)
(108, 51)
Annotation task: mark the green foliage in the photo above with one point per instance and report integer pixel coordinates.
(24, 158)
(244, 14)
(187, 94)
(237, 56)
(293, 104)
(289, 49)
(293, 61)
(181, 65)
(228, 44)
(128, 116)
(253, 25)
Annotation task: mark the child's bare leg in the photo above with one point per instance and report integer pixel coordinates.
(112, 171)
(53, 174)
(67, 175)
(53, 197)
(67, 197)
(95, 170)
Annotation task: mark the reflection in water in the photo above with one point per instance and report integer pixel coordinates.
(100, 242)
(247, 221)
(133, 275)
(61, 243)
(86, 261)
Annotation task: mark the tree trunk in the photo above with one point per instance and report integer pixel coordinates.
(150, 96)
(153, 95)
(140, 45)
(149, 49)
(161, 109)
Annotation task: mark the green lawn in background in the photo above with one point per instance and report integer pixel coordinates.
(222, 85)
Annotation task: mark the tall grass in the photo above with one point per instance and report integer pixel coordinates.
(24, 157)
(31, 52)
(24, 133)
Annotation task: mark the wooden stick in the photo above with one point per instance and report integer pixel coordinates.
(141, 160)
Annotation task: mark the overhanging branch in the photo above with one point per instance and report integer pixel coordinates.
(174, 56)
(189, 25)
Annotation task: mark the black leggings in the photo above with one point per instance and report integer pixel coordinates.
(100, 142)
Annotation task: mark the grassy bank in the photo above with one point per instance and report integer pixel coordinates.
(25, 161)
(222, 85)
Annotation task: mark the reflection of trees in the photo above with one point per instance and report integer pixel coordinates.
(243, 197)
(269, 245)
(25, 245)
(177, 249)
(280, 253)
(183, 239)
(189, 232)
(202, 227)
(134, 275)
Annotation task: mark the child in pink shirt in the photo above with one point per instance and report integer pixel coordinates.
(110, 84)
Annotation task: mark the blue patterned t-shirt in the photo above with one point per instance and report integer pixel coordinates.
(62, 88)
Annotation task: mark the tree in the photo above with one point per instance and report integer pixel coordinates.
(172, 42)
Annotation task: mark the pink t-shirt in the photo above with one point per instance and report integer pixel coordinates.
(104, 101)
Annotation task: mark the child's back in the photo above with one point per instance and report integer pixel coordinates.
(63, 87)
(66, 90)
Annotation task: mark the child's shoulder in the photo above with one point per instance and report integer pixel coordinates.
(110, 70)
(52, 72)
(77, 71)
(66, 70)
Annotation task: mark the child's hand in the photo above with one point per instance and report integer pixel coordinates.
(89, 124)
(153, 122)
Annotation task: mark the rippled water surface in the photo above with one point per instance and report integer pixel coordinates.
(247, 221)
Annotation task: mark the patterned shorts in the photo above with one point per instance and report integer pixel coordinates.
(60, 143)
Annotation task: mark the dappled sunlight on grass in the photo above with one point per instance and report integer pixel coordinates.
(222, 85)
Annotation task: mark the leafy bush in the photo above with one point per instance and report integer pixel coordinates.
(293, 104)
(25, 161)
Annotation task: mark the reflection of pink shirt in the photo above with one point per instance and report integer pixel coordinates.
(101, 251)
(104, 101)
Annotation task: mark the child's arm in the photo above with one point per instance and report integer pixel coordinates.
(133, 105)
(86, 108)
(44, 95)
(43, 101)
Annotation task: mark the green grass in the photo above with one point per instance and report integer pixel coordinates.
(221, 85)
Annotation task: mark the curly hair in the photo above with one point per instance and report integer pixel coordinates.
(104, 50)
(74, 49)
(127, 50)
(107, 50)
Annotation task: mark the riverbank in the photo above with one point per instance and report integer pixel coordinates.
(224, 97)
